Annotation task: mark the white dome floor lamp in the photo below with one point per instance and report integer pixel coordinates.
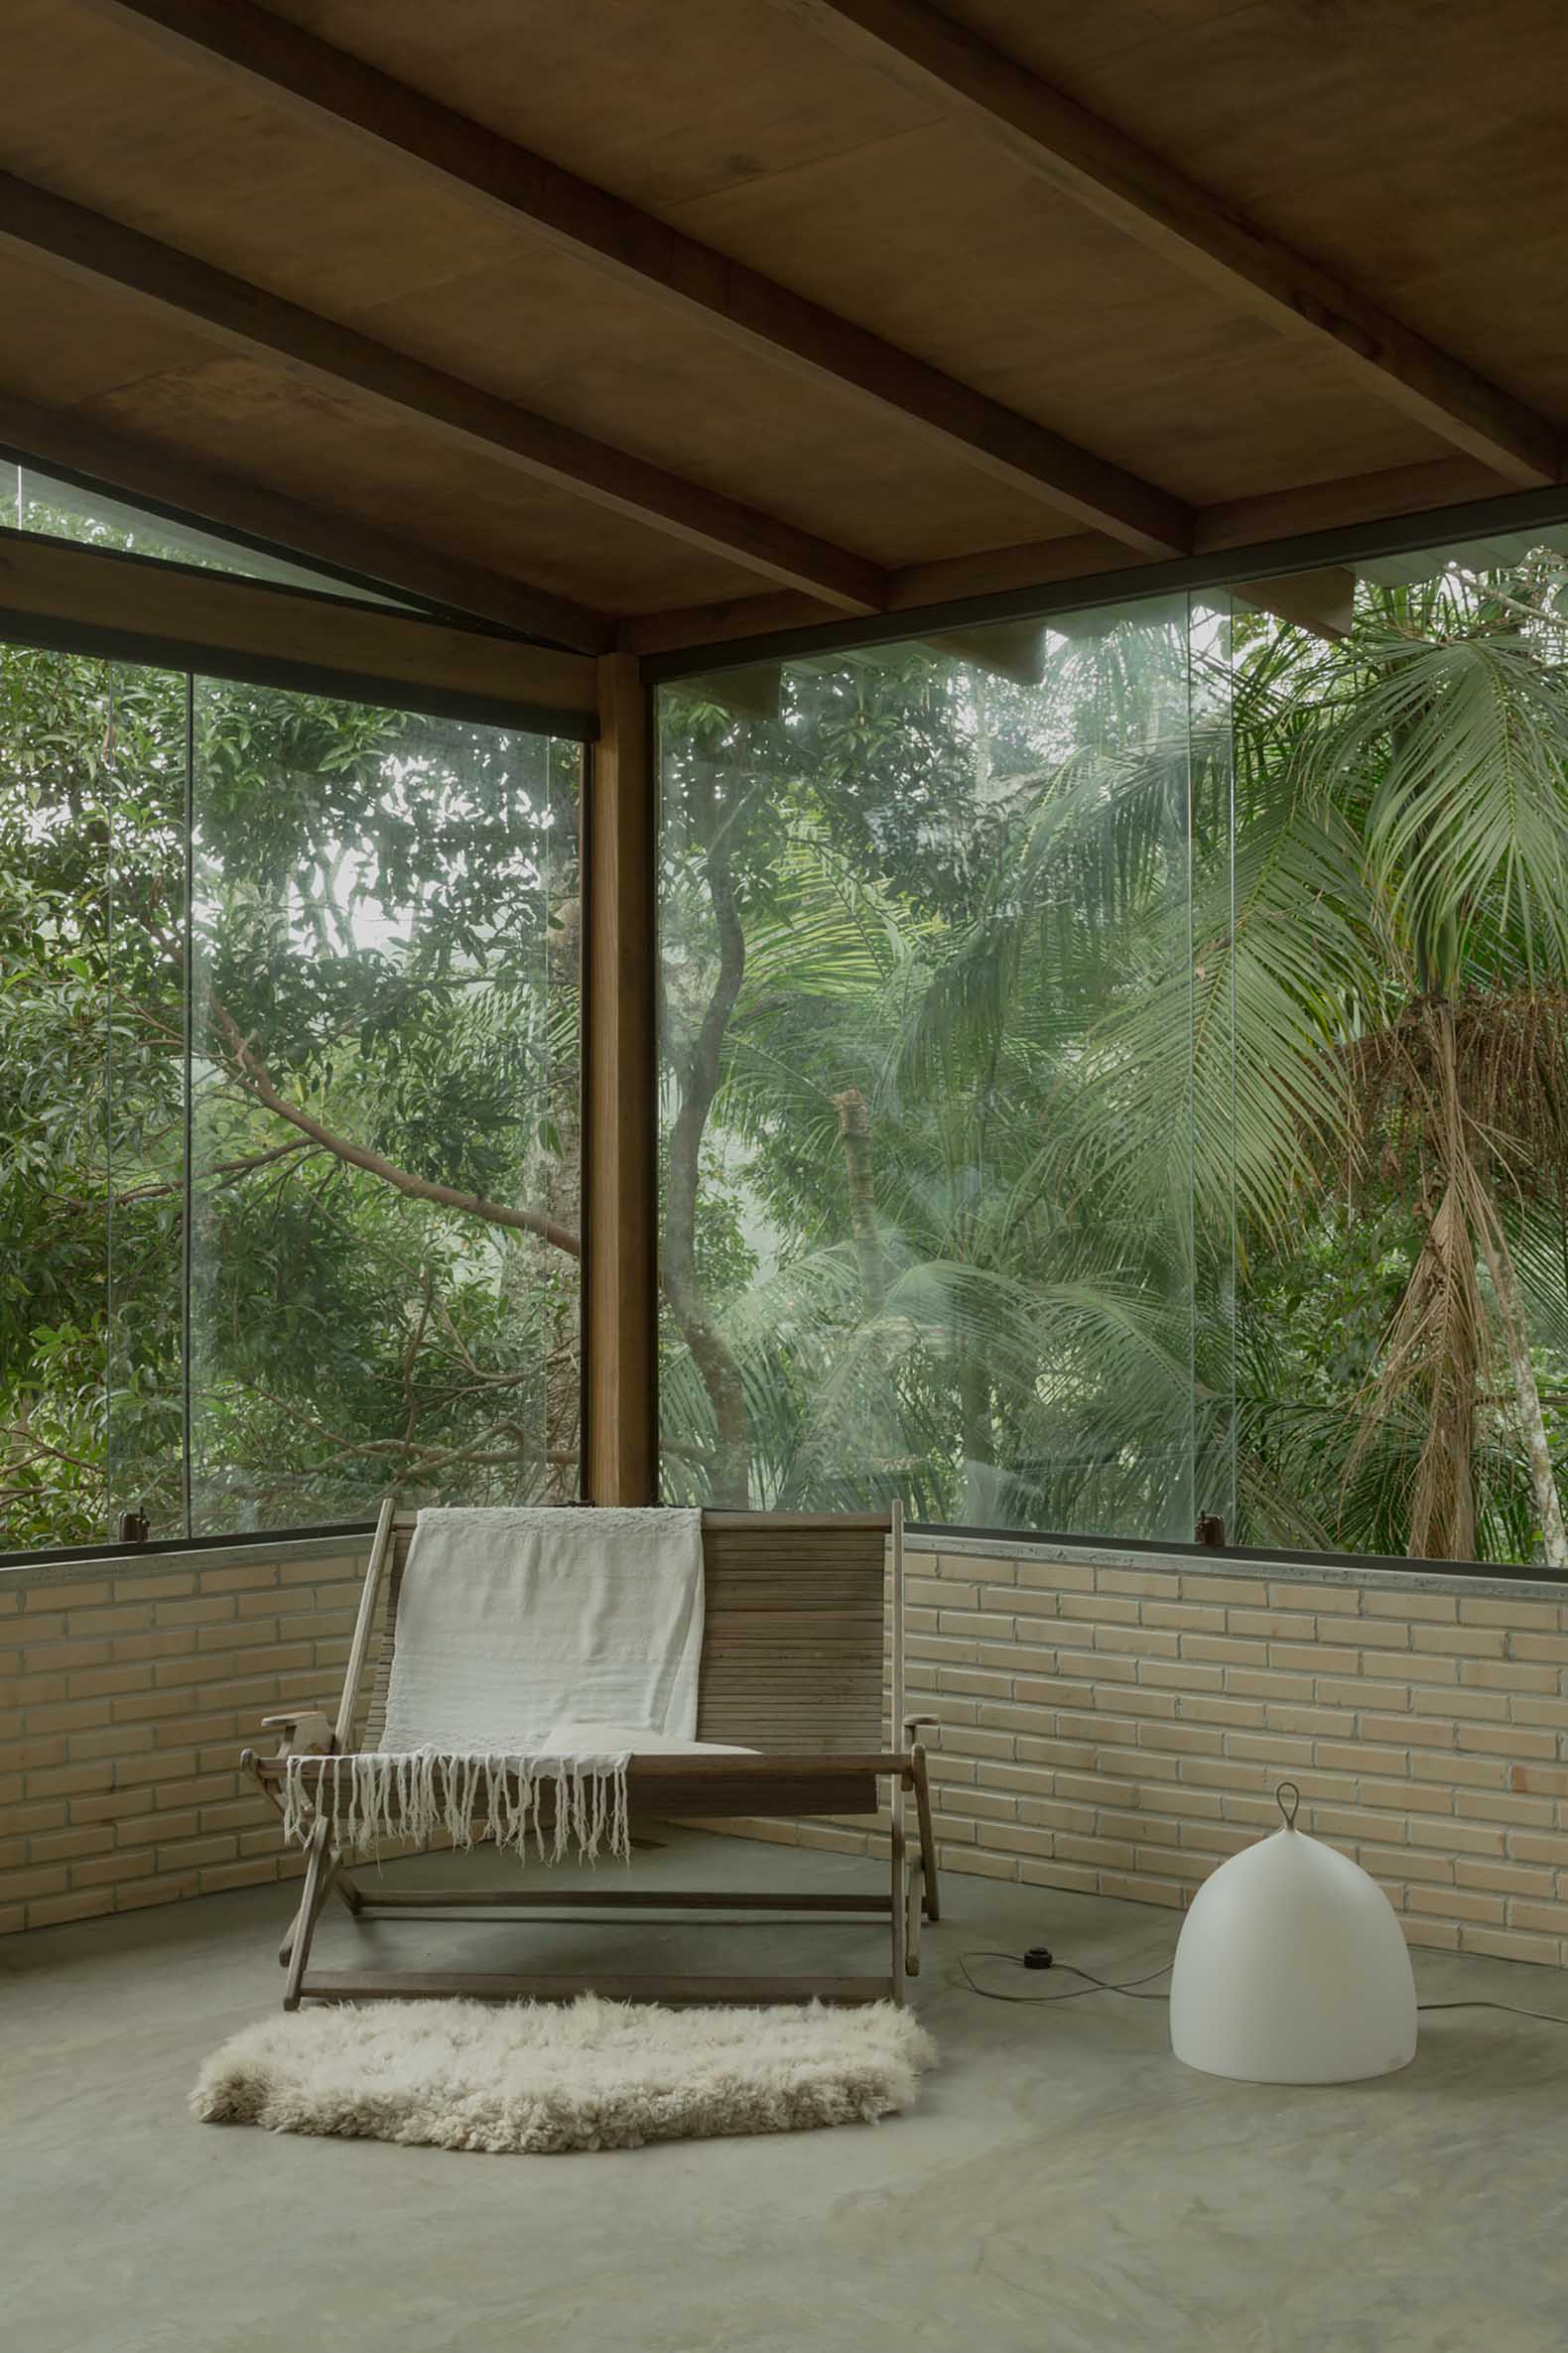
(1291, 1967)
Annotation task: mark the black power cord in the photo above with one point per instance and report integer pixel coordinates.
(1040, 1956)
(1553, 2018)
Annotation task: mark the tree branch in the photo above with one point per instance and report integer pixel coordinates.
(416, 1459)
(227, 1170)
(494, 1213)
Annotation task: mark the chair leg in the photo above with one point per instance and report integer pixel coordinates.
(335, 1881)
(899, 1909)
(290, 1934)
(913, 1913)
(928, 1836)
(319, 1873)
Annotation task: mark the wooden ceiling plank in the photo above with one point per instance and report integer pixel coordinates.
(249, 317)
(679, 626)
(346, 94)
(1322, 600)
(1014, 650)
(1164, 210)
(77, 443)
(1030, 565)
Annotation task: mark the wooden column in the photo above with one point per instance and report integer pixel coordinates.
(620, 1252)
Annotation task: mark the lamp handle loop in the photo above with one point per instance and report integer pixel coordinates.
(1288, 1799)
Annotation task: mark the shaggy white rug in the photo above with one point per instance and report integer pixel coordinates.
(543, 2077)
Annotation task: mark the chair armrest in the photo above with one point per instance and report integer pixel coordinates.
(308, 1731)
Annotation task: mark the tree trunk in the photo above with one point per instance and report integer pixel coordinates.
(696, 1075)
(1447, 1474)
(1432, 1351)
(561, 1181)
(855, 1132)
(1440, 1299)
(982, 736)
(1516, 1340)
(980, 1439)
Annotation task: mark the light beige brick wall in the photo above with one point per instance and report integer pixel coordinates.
(127, 1691)
(1108, 1725)
(1117, 1726)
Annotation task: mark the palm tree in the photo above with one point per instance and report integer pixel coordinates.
(1449, 758)
(1376, 999)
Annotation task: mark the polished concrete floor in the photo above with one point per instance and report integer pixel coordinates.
(1064, 2187)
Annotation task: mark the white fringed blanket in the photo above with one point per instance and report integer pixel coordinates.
(535, 1652)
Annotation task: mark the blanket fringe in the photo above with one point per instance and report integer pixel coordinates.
(423, 1795)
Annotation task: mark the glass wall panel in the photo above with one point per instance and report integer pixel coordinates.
(928, 1175)
(1210, 637)
(40, 502)
(55, 722)
(145, 772)
(1401, 980)
(1113, 1074)
(383, 1112)
(289, 1160)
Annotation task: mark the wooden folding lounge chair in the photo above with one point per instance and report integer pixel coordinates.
(792, 1667)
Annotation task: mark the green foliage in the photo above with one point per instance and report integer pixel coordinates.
(364, 942)
(1137, 972)
(1070, 1084)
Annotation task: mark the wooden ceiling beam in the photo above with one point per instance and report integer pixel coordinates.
(1349, 499)
(1162, 209)
(76, 443)
(249, 317)
(56, 591)
(1035, 564)
(1249, 524)
(660, 262)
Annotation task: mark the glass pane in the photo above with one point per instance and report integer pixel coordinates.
(144, 750)
(928, 1133)
(40, 502)
(55, 822)
(1209, 642)
(1400, 985)
(385, 1111)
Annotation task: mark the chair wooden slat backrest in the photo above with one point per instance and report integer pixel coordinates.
(793, 1642)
